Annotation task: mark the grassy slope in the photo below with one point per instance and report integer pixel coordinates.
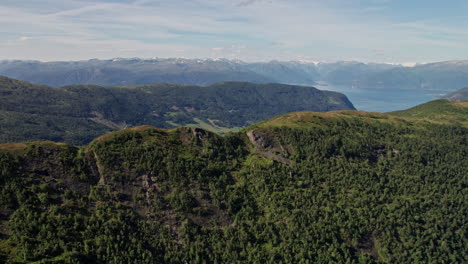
(441, 111)
(307, 119)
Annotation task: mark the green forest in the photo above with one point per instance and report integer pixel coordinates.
(79, 113)
(305, 187)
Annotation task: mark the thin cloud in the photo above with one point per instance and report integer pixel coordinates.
(251, 2)
(197, 28)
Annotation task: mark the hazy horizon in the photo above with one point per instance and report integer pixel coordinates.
(405, 64)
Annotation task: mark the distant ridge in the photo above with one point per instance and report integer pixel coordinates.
(136, 71)
(76, 114)
(461, 95)
(440, 76)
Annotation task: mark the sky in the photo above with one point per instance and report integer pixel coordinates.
(396, 31)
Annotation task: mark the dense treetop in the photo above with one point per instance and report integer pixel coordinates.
(339, 187)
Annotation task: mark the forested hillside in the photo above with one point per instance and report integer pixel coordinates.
(77, 114)
(338, 187)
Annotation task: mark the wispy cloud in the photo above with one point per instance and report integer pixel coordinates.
(243, 29)
(250, 2)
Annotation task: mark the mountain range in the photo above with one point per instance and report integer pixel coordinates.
(441, 76)
(119, 72)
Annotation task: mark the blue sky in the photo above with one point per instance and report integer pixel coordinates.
(252, 30)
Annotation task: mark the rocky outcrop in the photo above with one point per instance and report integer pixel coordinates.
(268, 147)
